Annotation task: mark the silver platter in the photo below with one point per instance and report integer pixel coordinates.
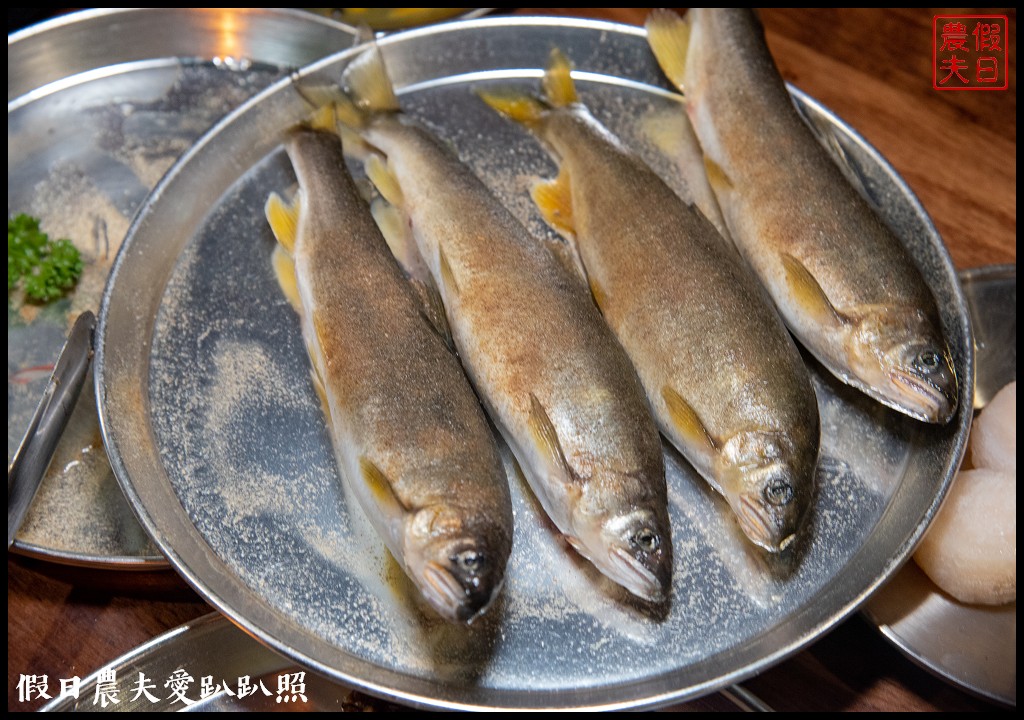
(100, 104)
(218, 440)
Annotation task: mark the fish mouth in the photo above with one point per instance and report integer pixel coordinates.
(756, 526)
(449, 597)
(630, 572)
(921, 398)
(626, 570)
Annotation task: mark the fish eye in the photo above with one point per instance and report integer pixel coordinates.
(778, 492)
(927, 361)
(646, 539)
(469, 561)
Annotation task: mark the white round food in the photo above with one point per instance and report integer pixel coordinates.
(994, 433)
(970, 550)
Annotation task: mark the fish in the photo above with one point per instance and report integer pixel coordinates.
(551, 375)
(412, 441)
(725, 381)
(846, 286)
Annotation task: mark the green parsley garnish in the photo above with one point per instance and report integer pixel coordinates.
(46, 268)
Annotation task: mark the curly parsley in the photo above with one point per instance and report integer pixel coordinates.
(46, 269)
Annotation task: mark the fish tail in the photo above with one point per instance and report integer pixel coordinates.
(669, 37)
(368, 88)
(516, 105)
(559, 88)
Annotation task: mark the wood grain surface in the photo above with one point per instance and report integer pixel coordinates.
(957, 151)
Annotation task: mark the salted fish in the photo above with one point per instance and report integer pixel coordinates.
(411, 439)
(548, 369)
(725, 380)
(843, 282)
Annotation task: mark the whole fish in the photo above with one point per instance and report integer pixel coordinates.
(411, 439)
(844, 283)
(725, 380)
(557, 384)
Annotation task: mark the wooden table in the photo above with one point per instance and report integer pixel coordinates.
(957, 150)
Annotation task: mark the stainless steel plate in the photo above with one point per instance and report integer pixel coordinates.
(973, 646)
(99, 105)
(217, 437)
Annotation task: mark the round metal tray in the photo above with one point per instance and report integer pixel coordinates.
(218, 440)
(100, 104)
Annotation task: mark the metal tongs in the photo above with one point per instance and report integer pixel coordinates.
(48, 422)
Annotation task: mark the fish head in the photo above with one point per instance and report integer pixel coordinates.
(905, 363)
(769, 482)
(630, 543)
(458, 568)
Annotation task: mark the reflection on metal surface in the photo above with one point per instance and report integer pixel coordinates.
(972, 646)
(100, 104)
(219, 442)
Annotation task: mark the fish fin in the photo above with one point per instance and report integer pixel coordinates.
(284, 271)
(321, 392)
(717, 177)
(808, 292)
(669, 38)
(545, 438)
(394, 226)
(686, 421)
(367, 83)
(433, 310)
(381, 488)
(559, 88)
(283, 219)
(324, 118)
(519, 106)
(384, 179)
(598, 292)
(554, 200)
(447, 276)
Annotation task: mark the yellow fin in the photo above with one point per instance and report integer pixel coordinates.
(545, 438)
(380, 174)
(559, 88)
(394, 226)
(324, 118)
(669, 38)
(447, 276)
(597, 292)
(283, 219)
(284, 271)
(808, 292)
(717, 177)
(686, 421)
(517, 106)
(554, 200)
(367, 83)
(380, 487)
